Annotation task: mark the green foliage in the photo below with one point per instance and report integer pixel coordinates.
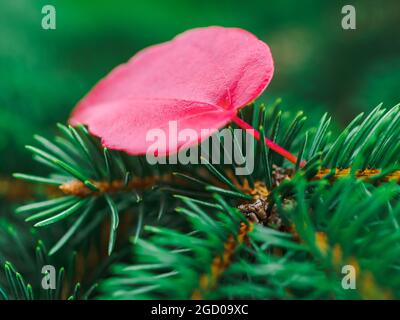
(284, 231)
(76, 156)
(15, 286)
(332, 224)
(270, 264)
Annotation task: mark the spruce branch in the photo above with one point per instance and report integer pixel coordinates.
(89, 177)
(294, 215)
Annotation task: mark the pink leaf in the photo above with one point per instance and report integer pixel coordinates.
(199, 79)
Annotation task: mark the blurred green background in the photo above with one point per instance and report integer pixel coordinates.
(319, 66)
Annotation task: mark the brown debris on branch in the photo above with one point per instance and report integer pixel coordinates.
(221, 262)
(257, 210)
(79, 189)
(366, 174)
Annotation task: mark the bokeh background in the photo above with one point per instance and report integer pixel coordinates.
(319, 66)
